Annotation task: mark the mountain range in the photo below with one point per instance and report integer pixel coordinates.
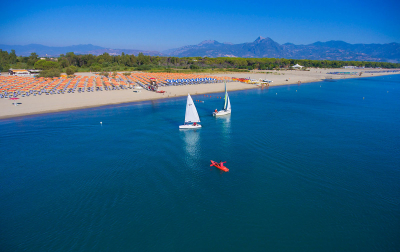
(260, 48)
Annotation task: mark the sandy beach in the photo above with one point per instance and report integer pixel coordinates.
(72, 101)
(287, 77)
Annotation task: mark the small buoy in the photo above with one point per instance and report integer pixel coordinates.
(319, 86)
(276, 93)
(296, 90)
(101, 122)
(388, 91)
(363, 98)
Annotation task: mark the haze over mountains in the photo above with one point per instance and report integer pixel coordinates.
(260, 48)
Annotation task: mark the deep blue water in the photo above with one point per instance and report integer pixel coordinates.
(314, 167)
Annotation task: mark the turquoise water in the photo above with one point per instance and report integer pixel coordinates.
(314, 167)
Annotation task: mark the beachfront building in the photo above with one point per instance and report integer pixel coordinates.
(18, 72)
(34, 72)
(24, 72)
(297, 66)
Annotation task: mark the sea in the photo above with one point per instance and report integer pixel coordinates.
(312, 167)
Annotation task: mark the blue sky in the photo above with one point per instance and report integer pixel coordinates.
(160, 25)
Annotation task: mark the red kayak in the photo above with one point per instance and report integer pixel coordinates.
(219, 166)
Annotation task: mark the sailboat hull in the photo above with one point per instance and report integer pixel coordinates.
(190, 126)
(222, 113)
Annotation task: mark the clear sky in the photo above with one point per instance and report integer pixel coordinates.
(160, 25)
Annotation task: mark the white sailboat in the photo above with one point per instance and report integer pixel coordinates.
(227, 106)
(192, 118)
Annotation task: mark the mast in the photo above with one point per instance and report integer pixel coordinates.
(226, 95)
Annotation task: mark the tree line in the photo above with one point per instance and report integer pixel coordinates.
(71, 63)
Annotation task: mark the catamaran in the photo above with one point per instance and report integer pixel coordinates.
(192, 118)
(227, 106)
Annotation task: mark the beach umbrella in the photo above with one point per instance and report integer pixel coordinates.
(13, 99)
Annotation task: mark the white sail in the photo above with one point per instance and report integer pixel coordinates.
(228, 107)
(191, 114)
(227, 104)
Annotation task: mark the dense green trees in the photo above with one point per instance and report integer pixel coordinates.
(107, 62)
(46, 65)
(11, 60)
(126, 62)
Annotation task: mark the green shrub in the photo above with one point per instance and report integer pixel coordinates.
(69, 71)
(74, 68)
(143, 67)
(55, 72)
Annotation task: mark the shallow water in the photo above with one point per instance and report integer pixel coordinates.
(313, 167)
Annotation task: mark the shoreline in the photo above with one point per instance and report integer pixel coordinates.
(150, 96)
(113, 104)
(47, 104)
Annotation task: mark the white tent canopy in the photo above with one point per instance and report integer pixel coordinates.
(297, 66)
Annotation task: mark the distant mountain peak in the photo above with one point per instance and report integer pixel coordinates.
(207, 42)
(259, 39)
(262, 40)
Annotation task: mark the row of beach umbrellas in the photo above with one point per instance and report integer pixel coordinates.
(14, 86)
